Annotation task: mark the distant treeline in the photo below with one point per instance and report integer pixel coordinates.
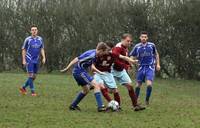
(70, 27)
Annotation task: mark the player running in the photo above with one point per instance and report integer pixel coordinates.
(32, 48)
(148, 57)
(82, 77)
(120, 66)
(104, 64)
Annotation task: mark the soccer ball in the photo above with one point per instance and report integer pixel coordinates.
(114, 105)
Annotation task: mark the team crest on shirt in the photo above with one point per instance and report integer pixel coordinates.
(35, 46)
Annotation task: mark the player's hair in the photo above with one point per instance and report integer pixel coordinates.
(33, 26)
(109, 44)
(102, 46)
(144, 32)
(125, 35)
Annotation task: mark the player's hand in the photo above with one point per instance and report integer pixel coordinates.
(133, 61)
(157, 67)
(24, 62)
(43, 60)
(63, 70)
(136, 61)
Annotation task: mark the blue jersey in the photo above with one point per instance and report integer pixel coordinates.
(144, 53)
(33, 47)
(85, 60)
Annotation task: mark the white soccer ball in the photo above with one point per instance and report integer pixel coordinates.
(114, 105)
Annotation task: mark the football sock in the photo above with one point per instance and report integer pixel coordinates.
(132, 96)
(26, 84)
(148, 92)
(98, 99)
(77, 100)
(31, 85)
(105, 94)
(117, 97)
(137, 91)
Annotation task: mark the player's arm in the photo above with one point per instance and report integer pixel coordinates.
(133, 54)
(43, 56)
(157, 61)
(23, 56)
(155, 51)
(24, 47)
(133, 57)
(94, 69)
(117, 54)
(43, 52)
(74, 61)
(130, 60)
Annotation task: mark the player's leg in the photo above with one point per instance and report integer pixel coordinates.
(137, 89)
(110, 83)
(33, 76)
(131, 93)
(97, 94)
(126, 82)
(140, 77)
(150, 73)
(148, 91)
(79, 97)
(99, 79)
(133, 97)
(85, 89)
(29, 68)
(105, 92)
(116, 95)
(24, 86)
(116, 76)
(31, 85)
(83, 79)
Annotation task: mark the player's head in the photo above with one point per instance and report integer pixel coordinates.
(109, 44)
(34, 30)
(143, 36)
(102, 49)
(126, 39)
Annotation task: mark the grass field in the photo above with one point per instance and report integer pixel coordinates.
(175, 104)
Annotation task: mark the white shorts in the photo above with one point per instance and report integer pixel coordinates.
(107, 79)
(121, 76)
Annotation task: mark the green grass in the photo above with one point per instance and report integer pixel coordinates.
(175, 104)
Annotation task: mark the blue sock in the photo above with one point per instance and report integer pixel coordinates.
(148, 92)
(79, 97)
(31, 85)
(137, 91)
(98, 99)
(26, 84)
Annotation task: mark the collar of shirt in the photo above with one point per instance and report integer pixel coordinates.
(144, 44)
(123, 45)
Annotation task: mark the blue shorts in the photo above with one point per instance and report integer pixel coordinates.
(82, 78)
(145, 73)
(32, 67)
(121, 76)
(107, 79)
